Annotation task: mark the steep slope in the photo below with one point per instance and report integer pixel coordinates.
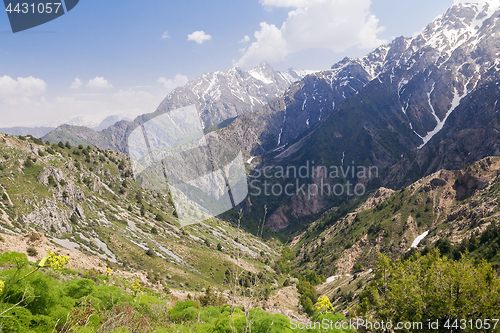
(410, 108)
(424, 77)
(85, 199)
(449, 205)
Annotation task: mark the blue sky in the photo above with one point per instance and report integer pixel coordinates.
(121, 56)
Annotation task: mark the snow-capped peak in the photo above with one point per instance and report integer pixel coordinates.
(458, 25)
(263, 72)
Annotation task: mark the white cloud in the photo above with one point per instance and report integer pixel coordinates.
(245, 39)
(76, 84)
(270, 46)
(22, 87)
(99, 83)
(24, 102)
(332, 24)
(199, 37)
(289, 3)
(456, 2)
(169, 85)
(165, 35)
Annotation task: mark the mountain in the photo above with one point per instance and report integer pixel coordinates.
(95, 122)
(450, 205)
(37, 132)
(86, 200)
(219, 96)
(410, 108)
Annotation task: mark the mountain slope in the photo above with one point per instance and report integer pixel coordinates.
(86, 199)
(410, 108)
(449, 205)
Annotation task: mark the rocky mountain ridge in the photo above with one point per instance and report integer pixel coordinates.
(85, 200)
(218, 97)
(449, 205)
(410, 108)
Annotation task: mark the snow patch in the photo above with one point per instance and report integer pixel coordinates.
(440, 123)
(259, 75)
(419, 239)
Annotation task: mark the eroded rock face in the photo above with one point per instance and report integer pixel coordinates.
(43, 176)
(466, 185)
(50, 218)
(410, 108)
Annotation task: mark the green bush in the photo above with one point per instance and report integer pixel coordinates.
(431, 287)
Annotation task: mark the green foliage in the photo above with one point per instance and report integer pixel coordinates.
(74, 218)
(431, 287)
(79, 288)
(284, 264)
(28, 163)
(358, 267)
(84, 305)
(323, 305)
(308, 296)
(13, 258)
(52, 181)
(485, 245)
(211, 298)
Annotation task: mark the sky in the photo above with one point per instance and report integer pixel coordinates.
(123, 57)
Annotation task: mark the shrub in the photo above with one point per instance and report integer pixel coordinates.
(28, 163)
(31, 251)
(431, 287)
(74, 218)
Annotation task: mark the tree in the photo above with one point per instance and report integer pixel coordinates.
(28, 163)
(430, 288)
(323, 305)
(74, 218)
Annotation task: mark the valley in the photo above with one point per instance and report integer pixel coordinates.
(372, 192)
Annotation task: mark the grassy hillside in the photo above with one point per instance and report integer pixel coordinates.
(86, 199)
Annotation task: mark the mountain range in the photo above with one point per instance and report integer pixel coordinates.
(219, 97)
(95, 122)
(409, 109)
(406, 141)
